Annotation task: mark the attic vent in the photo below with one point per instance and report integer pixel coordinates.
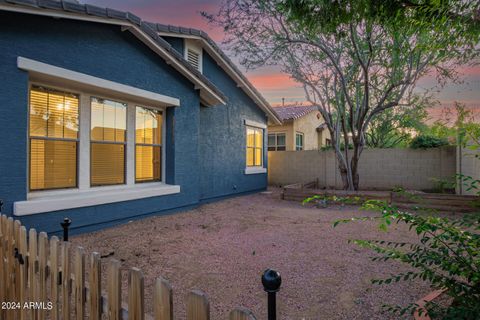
(194, 58)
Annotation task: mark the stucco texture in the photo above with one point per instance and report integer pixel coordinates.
(205, 167)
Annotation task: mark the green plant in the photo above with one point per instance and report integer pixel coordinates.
(425, 141)
(442, 185)
(447, 255)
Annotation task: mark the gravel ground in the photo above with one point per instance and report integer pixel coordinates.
(222, 248)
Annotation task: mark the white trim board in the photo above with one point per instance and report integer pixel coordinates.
(47, 201)
(85, 79)
(210, 96)
(255, 124)
(255, 170)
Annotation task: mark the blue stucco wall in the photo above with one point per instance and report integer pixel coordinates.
(205, 146)
(103, 51)
(222, 140)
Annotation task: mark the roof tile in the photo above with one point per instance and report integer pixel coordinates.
(115, 14)
(50, 4)
(293, 111)
(73, 7)
(95, 11)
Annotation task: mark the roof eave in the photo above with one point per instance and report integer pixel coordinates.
(241, 83)
(207, 95)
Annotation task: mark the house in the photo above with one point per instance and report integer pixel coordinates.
(107, 118)
(302, 128)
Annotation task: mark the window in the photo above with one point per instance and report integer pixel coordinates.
(254, 147)
(108, 141)
(276, 142)
(148, 144)
(53, 131)
(299, 141)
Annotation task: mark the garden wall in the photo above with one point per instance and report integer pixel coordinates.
(380, 169)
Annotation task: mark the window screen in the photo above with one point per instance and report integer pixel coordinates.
(53, 131)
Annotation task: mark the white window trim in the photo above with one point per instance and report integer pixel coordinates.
(276, 145)
(86, 195)
(303, 140)
(46, 201)
(192, 45)
(85, 79)
(258, 125)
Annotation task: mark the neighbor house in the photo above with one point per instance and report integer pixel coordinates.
(302, 128)
(107, 118)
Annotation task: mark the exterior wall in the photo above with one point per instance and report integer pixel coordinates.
(380, 169)
(222, 140)
(468, 164)
(307, 125)
(286, 128)
(106, 52)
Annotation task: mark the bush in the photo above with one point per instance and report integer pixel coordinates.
(427, 141)
(447, 256)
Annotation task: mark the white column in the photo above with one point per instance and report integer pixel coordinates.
(84, 144)
(130, 144)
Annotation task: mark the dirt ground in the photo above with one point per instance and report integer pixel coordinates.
(222, 249)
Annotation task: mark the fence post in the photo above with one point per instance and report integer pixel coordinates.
(32, 272)
(162, 300)
(79, 276)
(241, 314)
(271, 281)
(198, 307)
(136, 307)
(42, 271)
(22, 247)
(114, 290)
(54, 281)
(66, 283)
(95, 286)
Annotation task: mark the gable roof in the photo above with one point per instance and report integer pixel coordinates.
(148, 33)
(209, 93)
(224, 62)
(293, 112)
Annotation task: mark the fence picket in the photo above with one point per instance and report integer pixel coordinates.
(114, 290)
(54, 251)
(32, 260)
(22, 284)
(66, 288)
(136, 307)
(24, 274)
(10, 266)
(95, 286)
(42, 271)
(79, 276)
(198, 307)
(162, 300)
(241, 314)
(2, 263)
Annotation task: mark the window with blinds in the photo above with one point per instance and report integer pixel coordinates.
(53, 133)
(254, 147)
(194, 58)
(148, 144)
(107, 142)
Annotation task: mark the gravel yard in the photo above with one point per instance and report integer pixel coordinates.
(222, 248)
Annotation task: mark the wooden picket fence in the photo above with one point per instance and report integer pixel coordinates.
(36, 269)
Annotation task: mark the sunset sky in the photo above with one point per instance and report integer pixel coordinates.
(270, 81)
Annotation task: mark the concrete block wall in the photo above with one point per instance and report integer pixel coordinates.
(468, 165)
(380, 169)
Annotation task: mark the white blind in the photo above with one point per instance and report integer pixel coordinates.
(194, 58)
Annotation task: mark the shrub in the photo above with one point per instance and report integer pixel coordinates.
(427, 141)
(447, 255)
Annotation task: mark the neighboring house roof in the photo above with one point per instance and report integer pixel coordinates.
(209, 93)
(293, 112)
(145, 31)
(224, 61)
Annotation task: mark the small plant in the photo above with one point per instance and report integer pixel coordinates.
(425, 141)
(323, 200)
(442, 185)
(447, 255)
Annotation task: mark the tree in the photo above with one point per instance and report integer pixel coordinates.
(356, 59)
(395, 127)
